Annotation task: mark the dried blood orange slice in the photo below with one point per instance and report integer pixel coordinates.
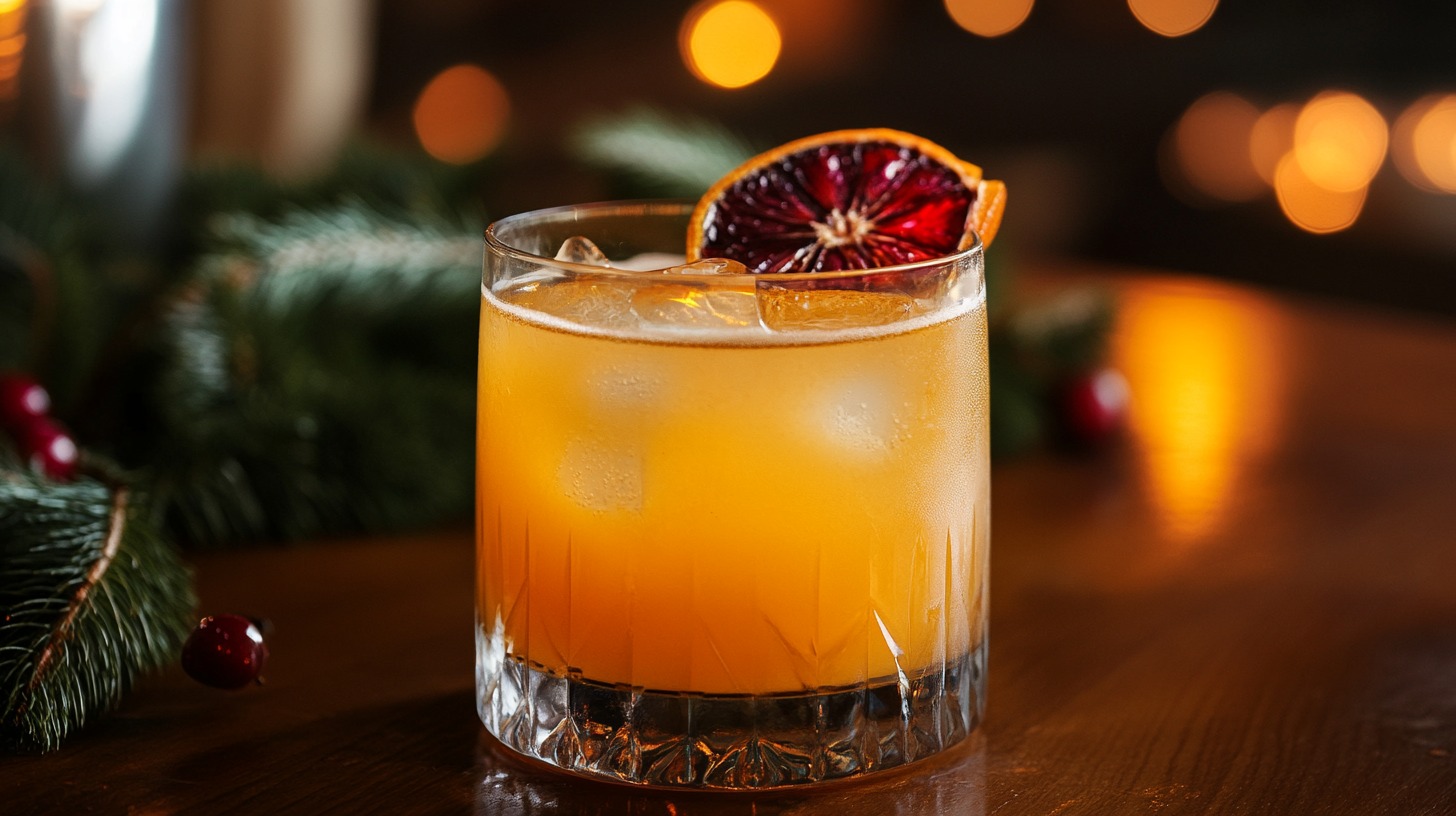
(851, 199)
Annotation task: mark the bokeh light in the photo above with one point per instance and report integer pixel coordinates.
(1339, 141)
(12, 21)
(1309, 204)
(461, 114)
(1424, 143)
(1209, 143)
(1172, 18)
(989, 18)
(731, 43)
(12, 47)
(1271, 139)
(1206, 365)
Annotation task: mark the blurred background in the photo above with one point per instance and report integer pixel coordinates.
(1306, 144)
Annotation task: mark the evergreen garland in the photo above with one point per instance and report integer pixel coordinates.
(300, 360)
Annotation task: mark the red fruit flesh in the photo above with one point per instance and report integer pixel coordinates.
(848, 205)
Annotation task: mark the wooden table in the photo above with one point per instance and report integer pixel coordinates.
(1248, 607)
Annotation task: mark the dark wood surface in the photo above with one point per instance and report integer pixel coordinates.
(1248, 606)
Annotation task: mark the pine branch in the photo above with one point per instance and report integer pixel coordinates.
(92, 596)
(666, 155)
(350, 246)
(320, 379)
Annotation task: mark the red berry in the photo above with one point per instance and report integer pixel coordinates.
(225, 651)
(49, 448)
(1093, 406)
(22, 401)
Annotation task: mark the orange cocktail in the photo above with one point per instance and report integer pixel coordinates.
(714, 505)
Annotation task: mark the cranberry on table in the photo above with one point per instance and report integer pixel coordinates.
(1093, 406)
(22, 401)
(49, 448)
(225, 651)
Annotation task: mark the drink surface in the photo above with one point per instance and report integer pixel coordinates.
(725, 509)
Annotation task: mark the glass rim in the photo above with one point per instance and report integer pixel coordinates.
(670, 206)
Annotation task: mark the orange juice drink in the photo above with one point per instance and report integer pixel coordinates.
(732, 528)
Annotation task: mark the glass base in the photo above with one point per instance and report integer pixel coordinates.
(677, 740)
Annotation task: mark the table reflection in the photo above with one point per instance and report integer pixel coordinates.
(1207, 367)
(951, 782)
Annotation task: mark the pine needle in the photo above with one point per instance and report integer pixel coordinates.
(679, 156)
(350, 245)
(91, 597)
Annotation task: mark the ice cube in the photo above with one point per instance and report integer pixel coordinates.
(581, 250)
(861, 415)
(624, 387)
(832, 309)
(594, 304)
(649, 261)
(601, 476)
(604, 301)
(695, 307)
(708, 266)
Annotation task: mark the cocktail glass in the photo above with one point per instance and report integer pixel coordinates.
(732, 529)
